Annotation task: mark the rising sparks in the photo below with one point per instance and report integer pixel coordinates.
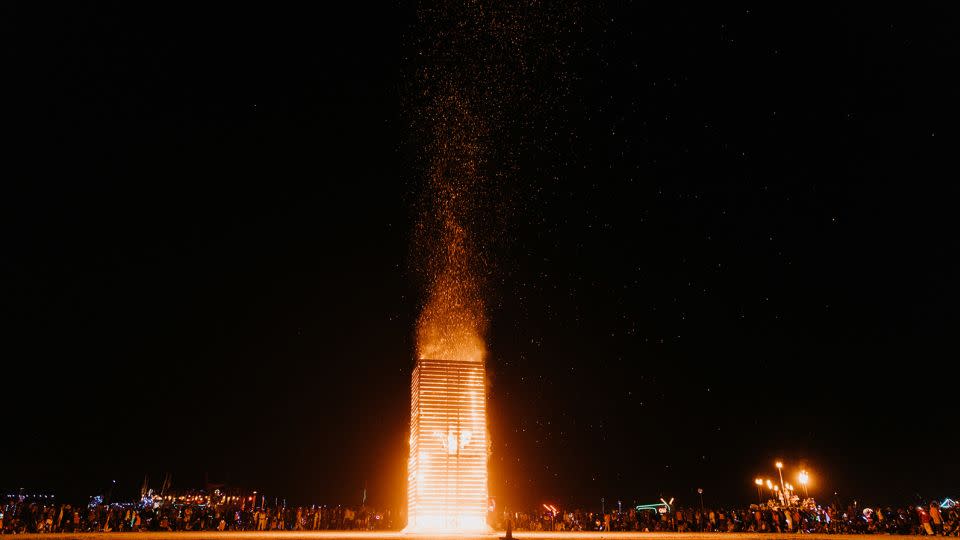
(453, 320)
(475, 67)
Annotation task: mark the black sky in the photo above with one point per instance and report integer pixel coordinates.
(736, 243)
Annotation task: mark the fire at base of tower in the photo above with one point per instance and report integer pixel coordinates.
(447, 473)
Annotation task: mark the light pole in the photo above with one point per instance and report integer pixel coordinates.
(700, 491)
(779, 465)
(804, 480)
(759, 484)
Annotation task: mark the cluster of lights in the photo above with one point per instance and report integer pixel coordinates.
(203, 499)
(787, 488)
(16, 495)
(551, 509)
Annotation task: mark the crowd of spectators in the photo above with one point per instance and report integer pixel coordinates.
(924, 519)
(19, 515)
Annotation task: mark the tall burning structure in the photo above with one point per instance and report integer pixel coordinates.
(447, 468)
(476, 63)
(447, 473)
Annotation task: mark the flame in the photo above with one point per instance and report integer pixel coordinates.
(447, 471)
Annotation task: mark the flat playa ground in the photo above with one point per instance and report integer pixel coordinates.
(381, 535)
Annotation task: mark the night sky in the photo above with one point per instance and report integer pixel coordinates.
(728, 237)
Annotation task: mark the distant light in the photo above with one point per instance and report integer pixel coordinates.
(779, 464)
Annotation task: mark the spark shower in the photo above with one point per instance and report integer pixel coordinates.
(482, 72)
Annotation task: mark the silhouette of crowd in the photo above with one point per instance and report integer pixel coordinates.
(935, 518)
(197, 513)
(24, 516)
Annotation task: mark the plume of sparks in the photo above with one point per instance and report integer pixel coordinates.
(453, 320)
(478, 62)
(484, 71)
